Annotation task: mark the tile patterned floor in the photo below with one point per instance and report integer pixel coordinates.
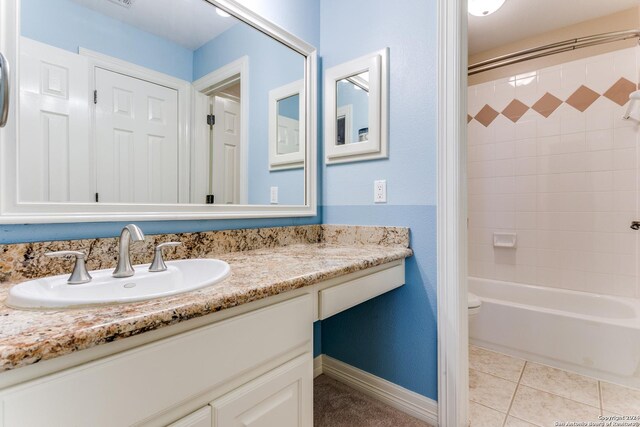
(506, 391)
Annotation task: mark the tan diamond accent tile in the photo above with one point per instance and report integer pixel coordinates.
(515, 110)
(547, 104)
(619, 92)
(486, 115)
(582, 98)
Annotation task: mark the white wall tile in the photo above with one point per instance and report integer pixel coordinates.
(571, 120)
(505, 129)
(625, 137)
(568, 185)
(526, 184)
(599, 72)
(505, 150)
(625, 64)
(598, 140)
(526, 126)
(624, 159)
(599, 115)
(525, 202)
(525, 166)
(548, 126)
(574, 75)
(525, 147)
(504, 93)
(550, 81)
(527, 90)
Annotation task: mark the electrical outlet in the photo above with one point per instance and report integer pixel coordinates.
(380, 191)
(274, 195)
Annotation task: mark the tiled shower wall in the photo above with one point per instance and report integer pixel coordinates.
(551, 159)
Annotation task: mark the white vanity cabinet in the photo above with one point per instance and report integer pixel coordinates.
(251, 365)
(155, 384)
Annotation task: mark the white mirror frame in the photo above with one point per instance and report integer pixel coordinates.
(290, 160)
(376, 146)
(13, 211)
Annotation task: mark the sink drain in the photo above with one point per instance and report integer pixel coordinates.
(129, 285)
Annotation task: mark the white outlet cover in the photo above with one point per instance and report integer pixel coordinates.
(274, 196)
(380, 191)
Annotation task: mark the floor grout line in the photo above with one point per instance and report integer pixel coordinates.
(524, 366)
(600, 397)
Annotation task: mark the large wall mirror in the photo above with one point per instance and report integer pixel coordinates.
(156, 109)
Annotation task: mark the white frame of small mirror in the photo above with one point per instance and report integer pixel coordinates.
(295, 159)
(13, 211)
(376, 145)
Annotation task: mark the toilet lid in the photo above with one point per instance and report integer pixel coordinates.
(474, 300)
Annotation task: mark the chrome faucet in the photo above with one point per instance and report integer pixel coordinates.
(129, 233)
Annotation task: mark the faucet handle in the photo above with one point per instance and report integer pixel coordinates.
(80, 274)
(158, 263)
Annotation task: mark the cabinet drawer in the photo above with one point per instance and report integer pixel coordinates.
(200, 418)
(136, 384)
(346, 295)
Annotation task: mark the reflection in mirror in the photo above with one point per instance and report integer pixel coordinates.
(352, 98)
(152, 101)
(289, 125)
(356, 109)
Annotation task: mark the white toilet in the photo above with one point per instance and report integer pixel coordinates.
(475, 303)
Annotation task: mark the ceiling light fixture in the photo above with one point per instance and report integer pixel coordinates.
(123, 3)
(222, 13)
(484, 7)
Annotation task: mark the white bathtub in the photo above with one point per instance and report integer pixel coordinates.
(595, 335)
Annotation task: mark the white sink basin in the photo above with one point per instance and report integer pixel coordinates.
(181, 276)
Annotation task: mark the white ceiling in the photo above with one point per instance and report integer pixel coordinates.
(190, 23)
(520, 19)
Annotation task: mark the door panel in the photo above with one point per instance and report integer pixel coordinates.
(226, 151)
(136, 140)
(54, 151)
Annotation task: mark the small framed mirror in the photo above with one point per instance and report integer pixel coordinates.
(356, 115)
(286, 126)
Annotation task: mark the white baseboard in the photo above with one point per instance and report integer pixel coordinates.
(317, 366)
(404, 400)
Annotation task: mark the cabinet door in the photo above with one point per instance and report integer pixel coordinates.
(282, 397)
(199, 418)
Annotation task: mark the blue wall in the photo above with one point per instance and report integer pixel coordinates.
(68, 25)
(271, 65)
(297, 16)
(393, 336)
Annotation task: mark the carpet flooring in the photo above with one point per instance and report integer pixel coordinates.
(337, 405)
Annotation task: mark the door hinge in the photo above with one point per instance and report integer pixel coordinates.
(211, 119)
(97, 197)
(95, 96)
(209, 199)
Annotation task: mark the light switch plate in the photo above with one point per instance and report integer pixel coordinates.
(274, 195)
(380, 191)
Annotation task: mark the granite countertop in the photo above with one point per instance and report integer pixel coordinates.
(27, 337)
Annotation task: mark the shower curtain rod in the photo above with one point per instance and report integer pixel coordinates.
(550, 49)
